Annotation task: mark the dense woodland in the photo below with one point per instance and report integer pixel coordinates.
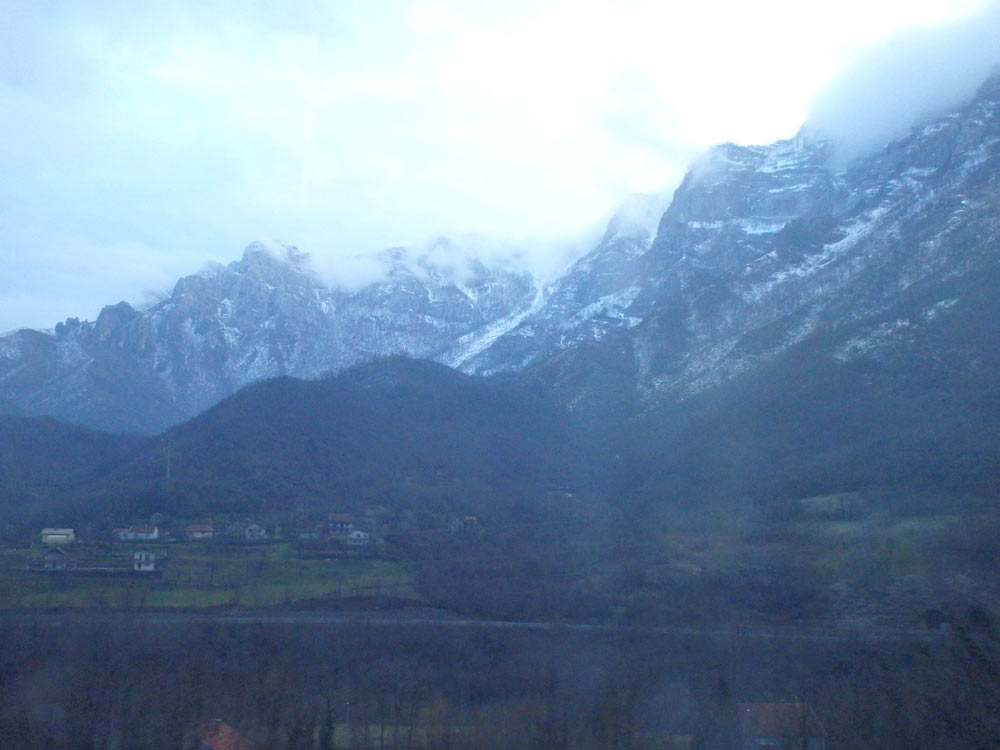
(805, 495)
(71, 683)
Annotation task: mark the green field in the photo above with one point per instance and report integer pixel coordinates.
(199, 575)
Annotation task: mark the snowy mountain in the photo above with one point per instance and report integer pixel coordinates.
(585, 303)
(265, 315)
(763, 250)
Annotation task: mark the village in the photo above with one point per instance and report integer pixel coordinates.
(340, 531)
(162, 562)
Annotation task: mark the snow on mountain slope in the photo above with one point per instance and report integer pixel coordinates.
(265, 315)
(761, 248)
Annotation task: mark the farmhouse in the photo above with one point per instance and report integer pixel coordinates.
(139, 533)
(57, 559)
(197, 531)
(780, 726)
(465, 523)
(340, 524)
(358, 538)
(247, 531)
(144, 561)
(58, 536)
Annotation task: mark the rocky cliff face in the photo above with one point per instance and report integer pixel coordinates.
(596, 296)
(762, 249)
(265, 315)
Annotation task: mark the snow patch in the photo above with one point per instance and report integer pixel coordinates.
(858, 346)
(855, 231)
(797, 188)
(934, 127)
(70, 354)
(609, 304)
(938, 309)
(785, 155)
(759, 226)
(747, 226)
(10, 346)
(472, 344)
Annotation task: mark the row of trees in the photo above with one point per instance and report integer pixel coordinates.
(85, 684)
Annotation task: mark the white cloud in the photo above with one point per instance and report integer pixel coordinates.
(186, 130)
(915, 74)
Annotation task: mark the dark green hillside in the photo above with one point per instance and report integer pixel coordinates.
(816, 488)
(395, 433)
(820, 485)
(918, 410)
(45, 463)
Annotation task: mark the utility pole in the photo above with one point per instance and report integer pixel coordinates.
(170, 456)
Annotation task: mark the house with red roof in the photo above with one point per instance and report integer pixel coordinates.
(340, 524)
(217, 735)
(195, 531)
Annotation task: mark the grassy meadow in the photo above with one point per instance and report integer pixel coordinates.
(200, 575)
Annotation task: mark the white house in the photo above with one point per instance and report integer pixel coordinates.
(247, 530)
(198, 531)
(340, 524)
(144, 561)
(358, 538)
(58, 536)
(56, 559)
(140, 533)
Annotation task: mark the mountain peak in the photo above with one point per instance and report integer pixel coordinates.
(112, 318)
(274, 252)
(760, 248)
(638, 216)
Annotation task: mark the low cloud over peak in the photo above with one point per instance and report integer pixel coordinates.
(912, 76)
(136, 145)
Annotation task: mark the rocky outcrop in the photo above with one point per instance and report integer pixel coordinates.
(764, 248)
(263, 316)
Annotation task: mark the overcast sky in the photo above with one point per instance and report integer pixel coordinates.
(140, 140)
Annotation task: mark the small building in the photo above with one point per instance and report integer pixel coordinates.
(358, 538)
(340, 524)
(58, 536)
(197, 531)
(57, 559)
(139, 533)
(143, 561)
(465, 523)
(247, 531)
(780, 726)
